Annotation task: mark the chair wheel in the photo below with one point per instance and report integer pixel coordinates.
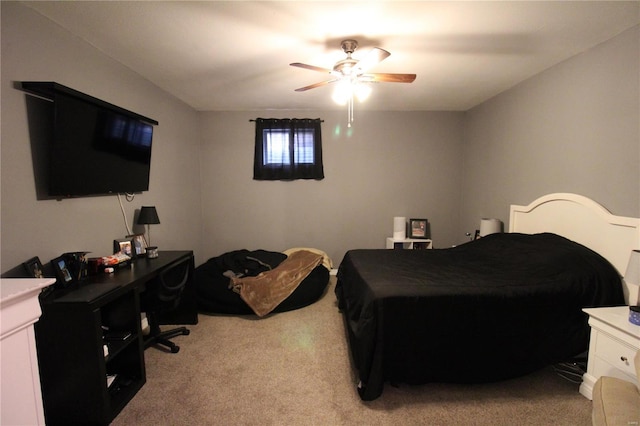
(186, 332)
(175, 349)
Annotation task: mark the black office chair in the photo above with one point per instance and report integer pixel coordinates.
(162, 294)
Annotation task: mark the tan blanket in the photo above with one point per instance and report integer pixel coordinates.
(264, 292)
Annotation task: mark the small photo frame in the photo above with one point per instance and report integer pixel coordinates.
(63, 275)
(124, 246)
(418, 228)
(139, 244)
(34, 267)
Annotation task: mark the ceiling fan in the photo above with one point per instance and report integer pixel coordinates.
(355, 70)
(350, 74)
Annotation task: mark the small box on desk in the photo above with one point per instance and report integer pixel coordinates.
(97, 265)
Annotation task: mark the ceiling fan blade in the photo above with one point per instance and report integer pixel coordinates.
(310, 67)
(375, 56)
(313, 86)
(389, 78)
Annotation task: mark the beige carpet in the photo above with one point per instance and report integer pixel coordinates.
(293, 368)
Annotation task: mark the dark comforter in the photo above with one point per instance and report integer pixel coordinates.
(499, 307)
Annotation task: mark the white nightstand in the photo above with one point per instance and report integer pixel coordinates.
(409, 243)
(612, 347)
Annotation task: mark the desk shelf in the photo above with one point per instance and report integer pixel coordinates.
(71, 338)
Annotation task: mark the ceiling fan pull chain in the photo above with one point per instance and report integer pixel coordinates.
(350, 111)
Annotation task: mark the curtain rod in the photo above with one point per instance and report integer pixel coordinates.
(322, 121)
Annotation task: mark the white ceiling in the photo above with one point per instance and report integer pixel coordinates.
(235, 55)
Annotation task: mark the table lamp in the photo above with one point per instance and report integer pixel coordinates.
(490, 226)
(149, 216)
(632, 277)
(399, 228)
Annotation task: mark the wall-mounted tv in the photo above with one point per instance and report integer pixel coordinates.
(94, 147)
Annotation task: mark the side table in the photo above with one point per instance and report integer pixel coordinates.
(612, 347)
(409, 243)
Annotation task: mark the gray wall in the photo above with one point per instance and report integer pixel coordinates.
(389, 164)
(573, 128)
(34, 48)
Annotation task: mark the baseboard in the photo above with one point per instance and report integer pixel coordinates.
(586, 388)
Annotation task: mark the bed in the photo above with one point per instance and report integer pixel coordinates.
(491, 309)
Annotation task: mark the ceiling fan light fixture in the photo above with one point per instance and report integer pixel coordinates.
(352, 76)
(342, 92)
(346, 89)
(345, 67)
(362, 91)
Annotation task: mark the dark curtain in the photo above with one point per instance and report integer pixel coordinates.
(298, 129)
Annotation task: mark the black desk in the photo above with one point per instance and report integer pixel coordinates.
(141, 271)
(72, 333)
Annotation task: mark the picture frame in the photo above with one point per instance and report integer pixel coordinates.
(34, 267)
(139, 244)
(63, 274)
(418, 228)
(124, 245)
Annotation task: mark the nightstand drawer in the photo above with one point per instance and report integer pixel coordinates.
(616, 353)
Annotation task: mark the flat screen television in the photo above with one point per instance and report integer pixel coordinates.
(95, 147)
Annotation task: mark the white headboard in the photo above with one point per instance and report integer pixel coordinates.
(584, 221)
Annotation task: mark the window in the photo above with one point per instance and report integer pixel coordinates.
(276, 146)
(288, 149)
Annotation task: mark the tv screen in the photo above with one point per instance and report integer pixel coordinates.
(96, 151)
(96, 148)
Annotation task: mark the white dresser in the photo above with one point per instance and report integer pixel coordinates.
(19, 310)
(612, 347)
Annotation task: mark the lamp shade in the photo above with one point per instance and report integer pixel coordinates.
(490, 226)
(148, 215)
(399, 228)
(632, 276)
